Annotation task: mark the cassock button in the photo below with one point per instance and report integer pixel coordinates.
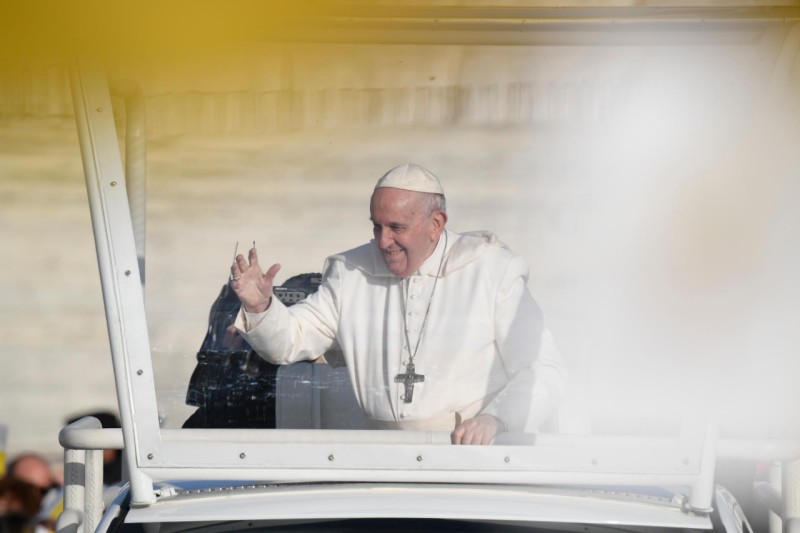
(413, 296)
(403, 415)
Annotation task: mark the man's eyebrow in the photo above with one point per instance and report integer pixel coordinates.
(389, 224)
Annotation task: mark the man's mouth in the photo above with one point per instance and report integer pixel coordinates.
(390, 253)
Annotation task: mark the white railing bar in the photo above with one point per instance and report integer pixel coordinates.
(83, 484)
(733, 449)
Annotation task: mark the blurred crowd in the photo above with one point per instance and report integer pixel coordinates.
(32, 486)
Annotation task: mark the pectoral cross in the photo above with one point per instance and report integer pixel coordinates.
(408, 379)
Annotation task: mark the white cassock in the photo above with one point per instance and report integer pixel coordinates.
(484, 347)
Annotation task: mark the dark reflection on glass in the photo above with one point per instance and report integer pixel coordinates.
(232, 386)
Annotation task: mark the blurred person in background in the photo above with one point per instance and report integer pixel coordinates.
(19, 503)
(34, 470)
(28, 482)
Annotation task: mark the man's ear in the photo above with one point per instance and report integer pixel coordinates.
(439, 221)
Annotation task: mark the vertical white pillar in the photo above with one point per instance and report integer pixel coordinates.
(790, 492)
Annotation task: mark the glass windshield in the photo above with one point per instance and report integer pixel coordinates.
(645, 188)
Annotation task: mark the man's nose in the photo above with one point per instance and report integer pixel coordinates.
(384, 238)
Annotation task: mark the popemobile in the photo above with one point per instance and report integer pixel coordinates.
(251, 446)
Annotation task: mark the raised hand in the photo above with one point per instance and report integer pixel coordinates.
(252, 287)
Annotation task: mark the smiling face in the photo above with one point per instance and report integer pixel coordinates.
(405, 228)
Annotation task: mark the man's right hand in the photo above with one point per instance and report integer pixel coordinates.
(253, 288)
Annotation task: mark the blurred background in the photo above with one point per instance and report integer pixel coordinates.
(642, 157)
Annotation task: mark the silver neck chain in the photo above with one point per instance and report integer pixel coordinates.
(413, 354)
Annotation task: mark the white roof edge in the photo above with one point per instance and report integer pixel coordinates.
(456, 502)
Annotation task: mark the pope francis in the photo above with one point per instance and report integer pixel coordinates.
(438, 329)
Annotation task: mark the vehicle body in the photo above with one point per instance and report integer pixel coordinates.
(300, 479)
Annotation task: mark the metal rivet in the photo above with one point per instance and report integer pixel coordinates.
(100, 109)
(507, 459)
(330, 457)
(139, 372)
(419, 458)
(242, 455)
(150, 456)
(127, 272)
(113, 183)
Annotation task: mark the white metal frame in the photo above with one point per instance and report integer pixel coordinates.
(276, 454)
(119, 271)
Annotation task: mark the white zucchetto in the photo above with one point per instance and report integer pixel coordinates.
(411, 177)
